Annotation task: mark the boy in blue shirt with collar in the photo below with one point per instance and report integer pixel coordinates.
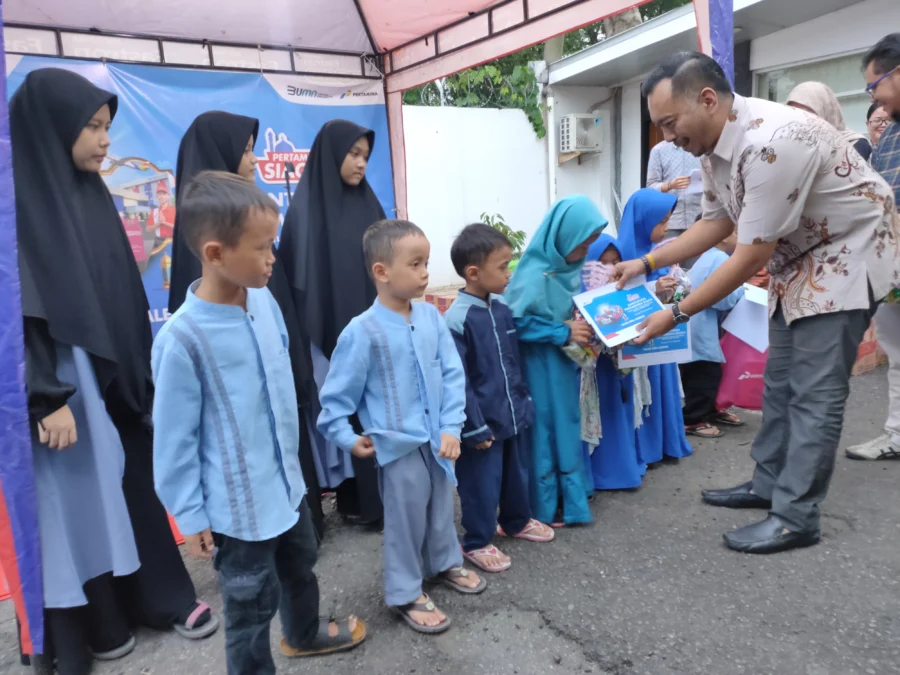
(493, 465)
(227, 428)
(396, 366)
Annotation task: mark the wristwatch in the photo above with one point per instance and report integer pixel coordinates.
(680, 317)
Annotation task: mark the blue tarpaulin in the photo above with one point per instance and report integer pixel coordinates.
(20, 549)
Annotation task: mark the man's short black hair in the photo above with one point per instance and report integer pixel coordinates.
(884, 56)
(871, 111)
(474, 244)
(379, 239)
(215, 205)
(691, 73)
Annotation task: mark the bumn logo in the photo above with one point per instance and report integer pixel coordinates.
(279, 150)
(303, 92)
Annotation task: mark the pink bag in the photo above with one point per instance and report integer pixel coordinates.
(742, 375)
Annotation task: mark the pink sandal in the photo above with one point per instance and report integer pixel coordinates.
(528, 533)
(476, 558)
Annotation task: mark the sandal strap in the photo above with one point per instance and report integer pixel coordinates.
(456, 573)
(485, 552)
(199, 610)
(427, 606)
(324, 639)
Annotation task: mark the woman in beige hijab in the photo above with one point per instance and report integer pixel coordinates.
(818, 98)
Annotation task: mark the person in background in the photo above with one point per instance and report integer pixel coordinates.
(832, 252)
(492, 468)
(223, 422)
(162, 218)
(883, 77)
(669, 170)
(397, 366)
(818, 99)
(321, 251)
(642, 230)
(540, 296)
(87, 371)
(877, 120)
(222, 141)
(702, 376)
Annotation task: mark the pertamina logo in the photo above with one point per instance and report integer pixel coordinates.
(355, 94)
(279, 150)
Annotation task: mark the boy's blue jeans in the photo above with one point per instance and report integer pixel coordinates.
(258, 578)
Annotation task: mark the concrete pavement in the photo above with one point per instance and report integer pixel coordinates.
(649, 589)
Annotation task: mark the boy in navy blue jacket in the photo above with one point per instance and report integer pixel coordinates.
(492, 469)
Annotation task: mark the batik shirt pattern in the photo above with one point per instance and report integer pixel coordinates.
(786, 176)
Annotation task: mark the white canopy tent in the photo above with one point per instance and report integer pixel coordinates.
(404, 42)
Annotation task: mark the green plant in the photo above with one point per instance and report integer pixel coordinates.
(516, 237)
(509, 82)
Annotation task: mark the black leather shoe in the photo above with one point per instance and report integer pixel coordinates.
(740, 497)
(769, 536)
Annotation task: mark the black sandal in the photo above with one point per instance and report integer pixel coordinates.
(449, 578)
(696, 429)
(426, 607)
(728, 419)
(329, 644)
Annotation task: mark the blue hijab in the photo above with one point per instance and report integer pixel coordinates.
(544, 282)
(644, 211)
(598, 248)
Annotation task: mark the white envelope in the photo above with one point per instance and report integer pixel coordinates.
(749, 320)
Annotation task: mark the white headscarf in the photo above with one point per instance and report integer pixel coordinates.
(819, 98)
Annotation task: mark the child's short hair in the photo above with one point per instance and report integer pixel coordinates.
(215, 205)
(378, 241)
(474, 244)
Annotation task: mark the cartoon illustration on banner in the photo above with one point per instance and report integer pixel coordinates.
(154, 112)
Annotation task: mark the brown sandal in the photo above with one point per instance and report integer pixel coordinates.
(329, 644)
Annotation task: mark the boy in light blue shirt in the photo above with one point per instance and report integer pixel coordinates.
(397, 367)
(226, 424)
(701, 378)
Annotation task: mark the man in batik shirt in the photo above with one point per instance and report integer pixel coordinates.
(805, 203)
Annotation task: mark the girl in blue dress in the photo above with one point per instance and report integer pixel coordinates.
(615, 463)
(540, 296)
(644, 225)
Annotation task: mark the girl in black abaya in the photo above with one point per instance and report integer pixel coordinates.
(321, 251)
(87, 343)
(221, 141)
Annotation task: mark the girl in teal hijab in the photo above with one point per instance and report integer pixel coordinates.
(540, 297)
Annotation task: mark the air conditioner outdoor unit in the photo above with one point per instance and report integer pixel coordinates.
(581, 133)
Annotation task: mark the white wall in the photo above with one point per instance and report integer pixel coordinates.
(853, 29)
(593, 176)
(631, 141)
(462, 162)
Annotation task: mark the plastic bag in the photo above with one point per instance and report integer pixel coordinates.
(742, 375)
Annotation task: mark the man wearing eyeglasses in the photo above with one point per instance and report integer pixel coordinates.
(882, 65)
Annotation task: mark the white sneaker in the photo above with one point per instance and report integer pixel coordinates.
(881, 448)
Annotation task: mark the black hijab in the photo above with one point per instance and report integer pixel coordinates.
(321, 243)
(76, 267)
(215, 141)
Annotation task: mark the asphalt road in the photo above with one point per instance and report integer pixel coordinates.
(649, 589)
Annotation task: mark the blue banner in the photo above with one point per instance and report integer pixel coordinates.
(20, 546)
(156, 106)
